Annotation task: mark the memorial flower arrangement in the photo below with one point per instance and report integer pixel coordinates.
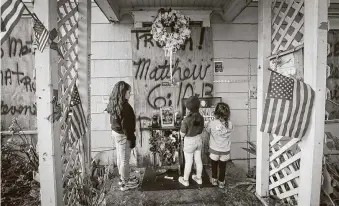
(173, 40)
(166, 144)
(179, 25)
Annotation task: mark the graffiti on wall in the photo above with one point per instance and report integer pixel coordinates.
(18, 84)
(162, 72)
(192, 69)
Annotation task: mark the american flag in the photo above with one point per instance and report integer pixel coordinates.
(288, 107)
(78, 119)
(11, 11)
(41, 33)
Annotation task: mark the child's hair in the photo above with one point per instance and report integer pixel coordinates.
(117, 98)
(193, 105)
(222, 111)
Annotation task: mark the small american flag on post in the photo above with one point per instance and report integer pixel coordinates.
(41, 33)
(288, 107)
(78, 119)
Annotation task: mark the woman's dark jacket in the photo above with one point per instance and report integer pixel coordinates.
(125, 123)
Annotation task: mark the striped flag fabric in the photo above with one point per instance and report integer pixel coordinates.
(41, 33)
(11, 11)
(78, 119)
(288, 106)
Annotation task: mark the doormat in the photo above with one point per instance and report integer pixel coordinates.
(168, 180)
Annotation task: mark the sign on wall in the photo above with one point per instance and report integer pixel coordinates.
(17, 79)
(192, 69)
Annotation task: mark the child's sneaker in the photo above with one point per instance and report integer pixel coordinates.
(214, 182)
(196, 179)
(128, 186)
(183, 182)
(222, 184)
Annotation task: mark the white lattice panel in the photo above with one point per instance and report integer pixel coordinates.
(284, 168)
(72, 149)
(287, 25)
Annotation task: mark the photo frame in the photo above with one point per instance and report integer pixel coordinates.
(207, 107)
(167, 116)
(218, 67)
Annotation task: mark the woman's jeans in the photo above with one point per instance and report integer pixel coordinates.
(123, 151)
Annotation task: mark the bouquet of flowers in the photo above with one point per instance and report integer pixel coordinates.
(166, 144)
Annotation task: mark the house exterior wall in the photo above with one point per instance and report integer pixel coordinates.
(18, 85)
(236, 45)
(112, 62)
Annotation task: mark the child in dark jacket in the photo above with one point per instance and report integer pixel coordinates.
(191, 129)
(122, 120)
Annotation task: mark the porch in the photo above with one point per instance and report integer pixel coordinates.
(102, 42)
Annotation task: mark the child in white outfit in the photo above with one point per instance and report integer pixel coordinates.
(218, 131)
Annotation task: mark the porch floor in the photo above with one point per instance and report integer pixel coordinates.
(203, 196)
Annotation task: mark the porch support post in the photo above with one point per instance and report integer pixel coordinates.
(315, 56)
(84, 68)
(264, 50)
(46, 64)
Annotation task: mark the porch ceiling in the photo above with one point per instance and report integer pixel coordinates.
(229, 9)
(135, 4)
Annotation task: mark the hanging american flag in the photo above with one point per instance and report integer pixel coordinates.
(78, 119)
(11, 11)
(288, 107)
(41, 33)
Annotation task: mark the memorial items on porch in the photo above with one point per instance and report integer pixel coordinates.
(165, 143)
(11, 12)
(167, 116)
(179, 32)
(288, 106)
(207, 106)
(218, 67)
(156, 120)
(178, 119)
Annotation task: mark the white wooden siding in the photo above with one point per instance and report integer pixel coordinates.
(232, 44)
(111, 62)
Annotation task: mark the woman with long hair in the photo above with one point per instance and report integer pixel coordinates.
(122, 120)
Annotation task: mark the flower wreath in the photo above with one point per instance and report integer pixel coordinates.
(179, 25)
